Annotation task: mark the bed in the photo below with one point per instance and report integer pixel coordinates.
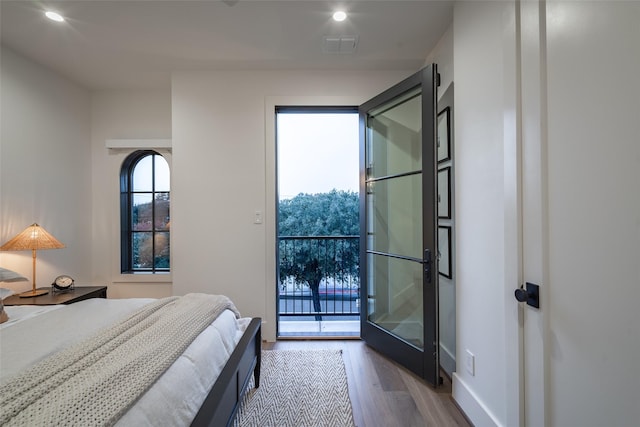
(202, 387)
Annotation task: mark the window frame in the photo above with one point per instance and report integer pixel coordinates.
(126, 212)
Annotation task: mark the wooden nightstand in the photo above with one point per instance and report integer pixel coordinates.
(79, 293)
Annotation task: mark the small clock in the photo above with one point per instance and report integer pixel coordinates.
(63, 282)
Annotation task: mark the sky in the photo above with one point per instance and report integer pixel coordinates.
(317, 153)
(142, 175)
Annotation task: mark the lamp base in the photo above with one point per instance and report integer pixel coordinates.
(33, 293)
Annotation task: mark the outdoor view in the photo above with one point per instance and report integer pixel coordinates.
(318, 223)
(150, 216)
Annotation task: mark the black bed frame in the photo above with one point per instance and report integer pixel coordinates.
(221, 404)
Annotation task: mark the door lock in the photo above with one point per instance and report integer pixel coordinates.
(530, 294)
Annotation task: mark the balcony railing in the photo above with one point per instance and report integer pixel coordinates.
(328, 263)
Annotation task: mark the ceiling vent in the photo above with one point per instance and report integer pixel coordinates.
(339, 44)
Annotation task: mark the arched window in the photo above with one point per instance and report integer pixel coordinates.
(145, 213)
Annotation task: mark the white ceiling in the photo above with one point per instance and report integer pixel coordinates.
(136, 44)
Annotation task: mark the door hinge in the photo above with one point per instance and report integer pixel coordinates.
(437, 79)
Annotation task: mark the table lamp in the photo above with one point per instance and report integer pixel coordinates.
(33, 237)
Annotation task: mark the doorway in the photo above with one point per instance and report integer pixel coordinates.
(317, 262)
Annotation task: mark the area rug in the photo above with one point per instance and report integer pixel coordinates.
(298, 388)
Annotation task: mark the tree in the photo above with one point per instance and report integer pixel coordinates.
(150, 242)
(309, 261)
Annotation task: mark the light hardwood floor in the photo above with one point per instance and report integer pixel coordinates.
(384, 394)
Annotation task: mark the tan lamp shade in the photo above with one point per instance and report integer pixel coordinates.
(32, 238)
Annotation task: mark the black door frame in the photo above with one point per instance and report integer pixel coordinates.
(423, 362)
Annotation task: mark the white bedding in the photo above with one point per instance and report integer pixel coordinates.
(33, 333)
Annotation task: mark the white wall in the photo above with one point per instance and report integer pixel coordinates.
(220, 176)
(479, 215)
(55, 170)
(45, 169)
(130, 114)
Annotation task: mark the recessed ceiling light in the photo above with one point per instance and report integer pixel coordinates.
(339, 16)
(54, 16)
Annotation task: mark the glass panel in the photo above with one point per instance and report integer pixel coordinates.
(394, 137)
(395, 297)
(142, 250)
(142, 175)
(142, 215)
(161, 259)
(394, 223)
(162, 174)
(162, 211)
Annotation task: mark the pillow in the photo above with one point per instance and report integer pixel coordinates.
(7, 276)
(4, 292)
(3, 314)
(10, 276)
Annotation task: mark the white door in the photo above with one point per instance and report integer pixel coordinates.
(580, 210)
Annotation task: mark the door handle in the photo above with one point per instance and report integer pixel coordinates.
(530, 294)
(427, 264)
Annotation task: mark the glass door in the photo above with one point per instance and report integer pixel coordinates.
(398, 220)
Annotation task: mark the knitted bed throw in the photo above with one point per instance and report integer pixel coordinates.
(94, 382)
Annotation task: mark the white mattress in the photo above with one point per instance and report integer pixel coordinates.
(33, 333)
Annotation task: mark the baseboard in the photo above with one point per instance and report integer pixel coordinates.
(447, 360)
(471, 405)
